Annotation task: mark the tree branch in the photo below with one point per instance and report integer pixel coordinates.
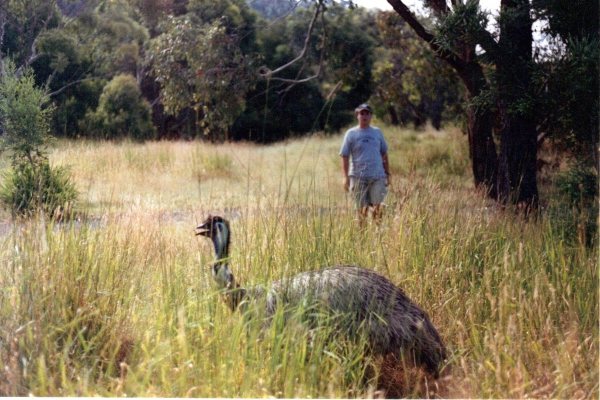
(75, 82)
(294, 82)
(440, 6)
(420, 30)
(267, 73)
(2, 25)
(489, 44)
(283, 16)
(32, 54)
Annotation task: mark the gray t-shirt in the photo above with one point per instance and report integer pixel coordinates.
(365, 147)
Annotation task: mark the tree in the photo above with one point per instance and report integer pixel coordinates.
(322, 73)
(200, 62)
(121, 112)
(519, 90)
(24, 122)
(460, 54)
(569, 79)
(24, 116)
(412, 84)
(512, 57)
(72, 47)
(33, 29)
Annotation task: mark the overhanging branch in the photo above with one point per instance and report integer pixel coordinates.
(456, 62)
(265, 72)
(75, 82)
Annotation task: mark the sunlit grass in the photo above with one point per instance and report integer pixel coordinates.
(121, 300)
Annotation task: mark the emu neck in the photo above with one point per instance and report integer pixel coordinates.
(221, 244)
(222, 273)
(234, 294)
(221, 250)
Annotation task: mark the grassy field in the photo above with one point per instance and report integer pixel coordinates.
(119, 301)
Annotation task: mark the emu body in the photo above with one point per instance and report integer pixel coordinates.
(366, 302)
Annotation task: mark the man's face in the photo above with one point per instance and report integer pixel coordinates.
(364, 118)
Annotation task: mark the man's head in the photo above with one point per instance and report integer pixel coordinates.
(364, 107)
(363, 114)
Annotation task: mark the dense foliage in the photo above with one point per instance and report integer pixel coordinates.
(269, 70)
(197, 63)
(412, 84)
(121, 112)
(19, 189)
(31, 184)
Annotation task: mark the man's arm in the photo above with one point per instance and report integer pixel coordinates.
(345, 169)
(386, 167)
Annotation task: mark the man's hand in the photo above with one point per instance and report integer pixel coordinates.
(346, 184)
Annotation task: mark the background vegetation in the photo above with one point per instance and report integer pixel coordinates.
(113, 297)
(254, 71)
(121, 301)
(196, 64)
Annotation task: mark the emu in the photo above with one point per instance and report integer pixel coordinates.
(368, 302)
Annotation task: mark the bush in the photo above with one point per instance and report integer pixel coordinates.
(19, 190)
(579, 184)
(121, 112)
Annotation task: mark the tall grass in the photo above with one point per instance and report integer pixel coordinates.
(121, 300)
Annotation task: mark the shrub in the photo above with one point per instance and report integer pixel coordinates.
(25, 113)
(579, 184)
(19, 189)
(121, 112)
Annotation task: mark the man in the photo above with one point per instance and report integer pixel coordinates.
(368, 174)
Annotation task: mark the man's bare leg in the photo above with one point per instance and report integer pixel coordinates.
(362, 214)
(377, 212)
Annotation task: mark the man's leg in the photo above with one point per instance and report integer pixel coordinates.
(361, 203)
(377, 193)
(377, 212)
(361, 215)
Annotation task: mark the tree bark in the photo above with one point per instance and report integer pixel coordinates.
(393, 116)
(482, 148)
(518, 137)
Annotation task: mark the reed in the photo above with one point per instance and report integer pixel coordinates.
(120, 300)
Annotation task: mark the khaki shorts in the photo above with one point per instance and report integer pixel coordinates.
(367, 192)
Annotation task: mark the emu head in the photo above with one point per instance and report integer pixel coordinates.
(217, 229)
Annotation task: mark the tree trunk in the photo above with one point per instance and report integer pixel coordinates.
(393, 116)
(482, 148)
(518, 150)
(518, 154)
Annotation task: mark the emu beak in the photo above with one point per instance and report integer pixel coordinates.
(203, 230)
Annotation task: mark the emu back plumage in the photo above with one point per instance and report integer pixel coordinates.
(365, 303)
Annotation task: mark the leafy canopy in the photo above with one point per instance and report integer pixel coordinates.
(24, 115)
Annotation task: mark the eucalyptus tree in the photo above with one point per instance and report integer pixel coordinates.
(311, 77)
(203, 62)
(73, 47)
(502, 82)
(412, 84)
(31, 30)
